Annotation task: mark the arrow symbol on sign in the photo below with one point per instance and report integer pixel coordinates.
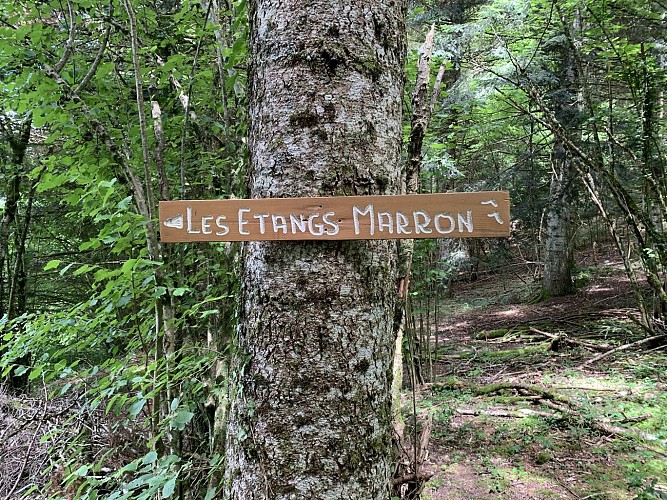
(175, 222)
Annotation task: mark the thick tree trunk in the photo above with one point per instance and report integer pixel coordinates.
(311, 414)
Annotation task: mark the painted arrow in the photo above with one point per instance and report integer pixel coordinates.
(176, 222)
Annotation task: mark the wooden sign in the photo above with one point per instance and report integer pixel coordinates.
(443, 215)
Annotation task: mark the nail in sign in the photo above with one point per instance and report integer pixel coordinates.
(443, 215)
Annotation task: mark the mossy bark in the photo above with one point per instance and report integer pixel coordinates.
(311, 411)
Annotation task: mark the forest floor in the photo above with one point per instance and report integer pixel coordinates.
(518, 415)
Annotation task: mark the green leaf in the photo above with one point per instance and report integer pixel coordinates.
(83, 269)
(149, 457)
(36, 372)
(38, 118)
(94, 243)
(136, 407)
(210, 494)
(65, 269)
(131, 467)
(52, 264)
(169, 488)
(178, 292)
(209, 312)
(20, 370)
(124, 300)
(128, 265)
(82, 471)
(181, 419)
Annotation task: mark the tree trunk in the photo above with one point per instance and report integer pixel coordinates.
(558, 244)
(311, 412)
(12, 270)
(558, 248)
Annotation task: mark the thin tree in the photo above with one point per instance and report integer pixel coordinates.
(558, 240)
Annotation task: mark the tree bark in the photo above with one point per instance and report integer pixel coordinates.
(558, 244)
(558, 247)
(311, 410)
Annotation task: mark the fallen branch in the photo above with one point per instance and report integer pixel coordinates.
(585, 315)
(497, 387)
(522, 413)
(567, 340)
(570, 409)
(583, 388)
(624, 347)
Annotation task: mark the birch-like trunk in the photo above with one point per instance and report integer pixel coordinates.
(558, 247)
(311, 411)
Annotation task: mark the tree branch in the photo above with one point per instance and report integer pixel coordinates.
(69, 44)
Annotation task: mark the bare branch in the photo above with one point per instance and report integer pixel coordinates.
(93, 67)
(69, 45)
(140, 106)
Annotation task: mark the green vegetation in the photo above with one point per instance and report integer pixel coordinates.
(114, 349)
(595, 431)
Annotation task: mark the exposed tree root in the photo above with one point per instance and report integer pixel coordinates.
(409, 478)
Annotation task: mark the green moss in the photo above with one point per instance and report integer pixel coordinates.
(514, 353)
(368, 66)
(320, 133)
(491, 334)
(303, 119)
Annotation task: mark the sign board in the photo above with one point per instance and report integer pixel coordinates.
(443, 215)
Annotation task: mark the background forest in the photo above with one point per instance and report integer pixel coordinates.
(113, 346)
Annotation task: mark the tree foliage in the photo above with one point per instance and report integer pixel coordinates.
(106, 109)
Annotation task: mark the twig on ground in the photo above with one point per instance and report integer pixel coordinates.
(582, 388)
(567, 340)
(623, 348)
(522, 413)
